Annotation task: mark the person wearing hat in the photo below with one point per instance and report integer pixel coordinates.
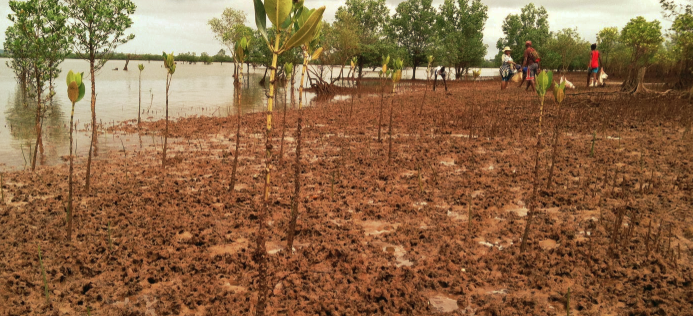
(531, 61)
(507, 67)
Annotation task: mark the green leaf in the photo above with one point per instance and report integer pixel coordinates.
(278, 10)
(548, 83)
(82, 91)
(541, 83)
(286, 23)
(70, 77)
(288, 69)
(261, 19)
(306, 32)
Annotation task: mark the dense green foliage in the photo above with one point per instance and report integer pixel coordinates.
(38, 42)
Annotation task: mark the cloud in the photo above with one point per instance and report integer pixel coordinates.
(181, 25)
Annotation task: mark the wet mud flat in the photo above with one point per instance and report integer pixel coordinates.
(436, 230)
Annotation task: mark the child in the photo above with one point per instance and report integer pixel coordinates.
(593, 67)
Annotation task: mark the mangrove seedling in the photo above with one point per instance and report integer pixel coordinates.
(139, 107)
(310, 52)
(288, 72)
(396, 77)
(170, 65)
(559, 96)
(283, 14)
(242, 49)
(75, 92)
(543, 81)
(477, 74)
(384, 73)
(428, 81)
(45, 280)
(353, 68)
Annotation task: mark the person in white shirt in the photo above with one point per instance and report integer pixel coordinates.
(507, 68)
(440, 71)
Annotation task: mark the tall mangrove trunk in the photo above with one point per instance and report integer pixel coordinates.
(92, 143)
(38, 118)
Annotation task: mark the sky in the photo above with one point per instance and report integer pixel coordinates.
(181, 25)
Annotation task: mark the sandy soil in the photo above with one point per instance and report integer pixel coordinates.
(436, 230)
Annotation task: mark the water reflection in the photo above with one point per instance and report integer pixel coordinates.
(195, 90)
(20, 118)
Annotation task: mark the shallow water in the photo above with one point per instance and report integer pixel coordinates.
(196, 89)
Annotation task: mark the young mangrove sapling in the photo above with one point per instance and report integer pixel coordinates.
(283, 14)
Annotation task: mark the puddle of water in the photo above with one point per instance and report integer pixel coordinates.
(375, 228)
(231, 248)
(397, 251)
(447, 162)
(499, 292)
(520, 211)
(443, 304)
(500, 244)
(458, 213)
(548, 244)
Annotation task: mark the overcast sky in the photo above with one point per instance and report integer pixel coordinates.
(181, 25)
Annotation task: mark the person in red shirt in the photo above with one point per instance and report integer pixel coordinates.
(593, 67)
(532, 64)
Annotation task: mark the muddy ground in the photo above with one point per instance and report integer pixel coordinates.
(435, 229)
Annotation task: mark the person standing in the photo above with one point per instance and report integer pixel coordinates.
(507, 68)
(531, 61)
(593, 67)
(440, 71)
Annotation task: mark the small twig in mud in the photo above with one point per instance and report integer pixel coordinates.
(45, 280)
(594, 138)
(418, 169)
(469, 216)
(434, 172)
(647, 239)
(567, 303)
(126, 159)
(389, 149)
(332, 187)
(110, 240)
(2, 189)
